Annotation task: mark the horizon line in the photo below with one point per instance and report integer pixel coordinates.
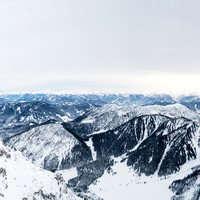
(82, 92)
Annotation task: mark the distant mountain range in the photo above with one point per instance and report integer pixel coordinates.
(18, 113)
(190, 101)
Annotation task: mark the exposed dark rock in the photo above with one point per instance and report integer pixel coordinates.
(88, 173)
(164, 153)
(188, 185)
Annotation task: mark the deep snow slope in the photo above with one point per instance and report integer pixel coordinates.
(20, 179)
(51, 147)
(121, 182)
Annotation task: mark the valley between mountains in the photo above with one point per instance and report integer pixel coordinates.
(99, 147)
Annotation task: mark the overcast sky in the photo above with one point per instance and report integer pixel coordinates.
(100, 45)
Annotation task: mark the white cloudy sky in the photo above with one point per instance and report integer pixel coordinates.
(100, 45)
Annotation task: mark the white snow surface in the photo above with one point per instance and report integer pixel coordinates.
(90, 144)
(64, 118)
(123, 183)
(19, 179)
(68, 174)
(42, 141)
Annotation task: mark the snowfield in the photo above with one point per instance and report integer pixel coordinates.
(20, 179)
(121, 182)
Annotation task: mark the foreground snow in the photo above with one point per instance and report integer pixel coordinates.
(122, 183)
(20, 179)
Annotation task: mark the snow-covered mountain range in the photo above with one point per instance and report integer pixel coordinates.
(111, 116)
(18, 117)
(191, 101)
(129, 141)
(20, 112)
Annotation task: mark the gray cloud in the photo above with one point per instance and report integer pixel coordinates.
(49, 41)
